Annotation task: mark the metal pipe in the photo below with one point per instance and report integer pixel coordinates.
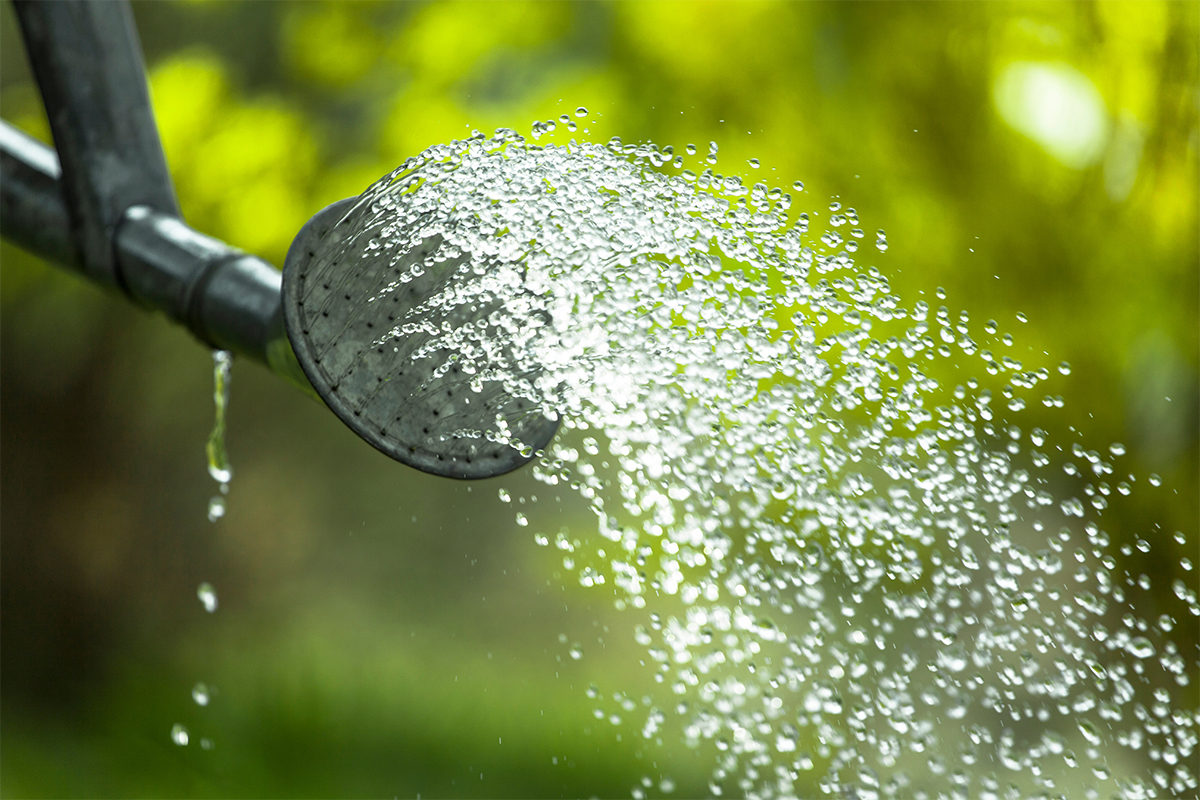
(227, 298)
(104, 203)
(32, 213)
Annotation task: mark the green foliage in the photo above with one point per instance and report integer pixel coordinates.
(357, 652)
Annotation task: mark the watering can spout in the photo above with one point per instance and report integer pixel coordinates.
(101, 203)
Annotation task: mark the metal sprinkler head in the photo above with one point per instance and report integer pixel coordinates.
(341, 322)
(104, 207)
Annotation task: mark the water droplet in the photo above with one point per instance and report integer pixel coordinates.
(581, 112)
(1021, 317)
(218, 459)
(522, 520)
(576, 652)
(208, 596)
(206, 743)
(1064, 368)
(754, 163)
(1140, 647)
(798, 186)
(216, 508)
(200, 694)
(179, 735)
(504, 496)
(1089, 732)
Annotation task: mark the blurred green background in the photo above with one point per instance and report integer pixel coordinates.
(382, 632)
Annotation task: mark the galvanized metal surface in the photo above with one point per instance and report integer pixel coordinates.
(422, 411)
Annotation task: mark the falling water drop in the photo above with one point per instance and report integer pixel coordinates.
(208, 596)
(1089, 732)
(1141, 647)
(216, 508)
(218, 460)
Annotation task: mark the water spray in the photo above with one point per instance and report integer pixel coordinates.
(102, 204)
(856, 578)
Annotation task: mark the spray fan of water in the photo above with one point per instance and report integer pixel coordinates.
(853, 580)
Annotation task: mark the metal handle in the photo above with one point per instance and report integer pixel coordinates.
(104, 205)
(88, 64)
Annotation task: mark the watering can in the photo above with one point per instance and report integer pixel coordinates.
(102, 204)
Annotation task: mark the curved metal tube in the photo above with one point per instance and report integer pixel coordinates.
(227, 298)
(103, 204)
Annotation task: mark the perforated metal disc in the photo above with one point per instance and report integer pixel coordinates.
(436, 424)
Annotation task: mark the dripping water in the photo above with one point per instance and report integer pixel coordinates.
(218, 459)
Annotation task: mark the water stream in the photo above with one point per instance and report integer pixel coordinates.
(856, 570)
(220, 471)
(218, 459)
